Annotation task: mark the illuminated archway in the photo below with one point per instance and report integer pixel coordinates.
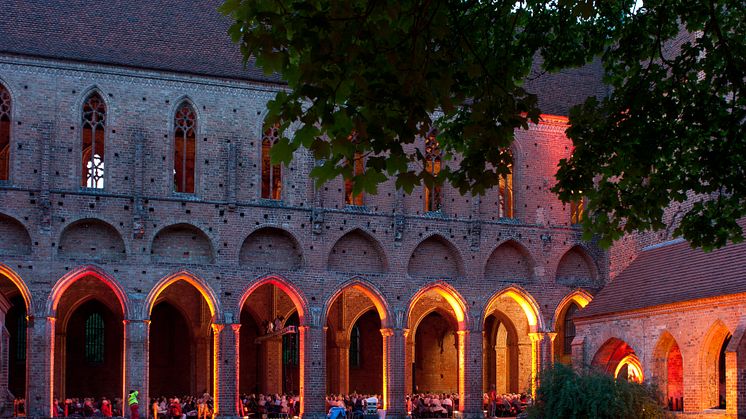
(630, 369)
(712, 366)
(616, 358)
(351, 354)
(9, 273)
(184, 298)
(273, 300)
(443, 299)
(19, 309)
(564, 325)
(529, 310)
(668, 371)
(89, 306)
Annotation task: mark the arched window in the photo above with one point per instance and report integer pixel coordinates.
(93, 151)
(291, 343)
(4, 133)
(577, 210)
(569, 329)
(94, 339)
(358, 168)
(185, 127)
(355, 359)
(271, 173)
(506, 194)
(433, 198)
(21, 325)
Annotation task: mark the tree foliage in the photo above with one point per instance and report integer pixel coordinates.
(392, 71)
(565, 394)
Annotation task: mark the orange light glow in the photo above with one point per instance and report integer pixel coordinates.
(387, 333)
(190, 279)
(535, 339)
(18, 282)
(51, 332)
(461, 336)
(66, 281)
(528, 309)
(454, 303)
(283, 285)
(216, 329)
(634, 369)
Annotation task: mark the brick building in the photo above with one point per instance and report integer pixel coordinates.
(146, 242)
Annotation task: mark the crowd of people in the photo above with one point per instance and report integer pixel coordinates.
(352, 405)
(432, 405)
(504, 405)
(188, 406)
(272, 405)
(86, 407)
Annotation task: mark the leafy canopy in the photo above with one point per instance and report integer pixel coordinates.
(392, 71)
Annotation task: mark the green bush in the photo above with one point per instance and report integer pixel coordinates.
(565, 394)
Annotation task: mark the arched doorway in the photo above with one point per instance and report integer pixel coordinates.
(713, 366)
(564, 325)
(617, 358)
(89, 337)
(669, 372)
(271, 358)
(354, 343)
(437, 321)
(182, 343)
(14, 309)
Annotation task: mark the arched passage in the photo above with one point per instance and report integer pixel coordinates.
(437, 322)
(564, 324)
(713, 367)
(271, 349)
(669, 371)
(15, 306)
(90, 307)
(617, 358)
(182, 309)
(355, 315)
(510, 354)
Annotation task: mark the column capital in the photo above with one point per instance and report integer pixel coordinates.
(236, 327)
(135, 321)
(387, 331)
(462, 332)
(535, 336)
(217, 327)
(552, 335)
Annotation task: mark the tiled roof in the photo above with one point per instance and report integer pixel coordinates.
(189, 36)
(672, 273)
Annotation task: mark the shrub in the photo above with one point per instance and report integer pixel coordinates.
(563, 393)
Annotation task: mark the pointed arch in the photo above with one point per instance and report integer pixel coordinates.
(271, 174)
(614, 355)
(87, 271)
(576, 268)
(452, 297)
(295, 294)
(91, 238)
(710, 364)
(271, 247)
(16, 279)
(579, 297)
(369, 290)
(509, 261)
(93, 123)
(182, 242)
(361, 241)
(6, 126)
(431, 257)
(528, 304)
(203, 287)
(185, 125)
(17, 240)
(668, 370)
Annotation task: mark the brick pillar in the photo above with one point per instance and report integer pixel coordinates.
(548, 349)
(470, 369)
(394, 345)
(226, 369)
(40, 358)
(313, 372)
(578, 354)
(343, 362)
(408, 360)
(272, 365)
(136, 363)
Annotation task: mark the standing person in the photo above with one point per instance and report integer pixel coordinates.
(106, 408)
(134, 405)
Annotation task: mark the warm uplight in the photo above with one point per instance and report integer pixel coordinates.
(528, 309)
(190, 280)
(634, 369)
(457, 309)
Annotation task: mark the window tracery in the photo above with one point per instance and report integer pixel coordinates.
(271, 173)
(5, 107)
(93, 151)
(433, 162)
(358, 168)
(94, 339)
(185, 127)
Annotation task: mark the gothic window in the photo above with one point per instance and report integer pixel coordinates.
(93, 151)
(569, 329)
(506, 194)
(355, 359)
(185, 127)
(94, 339)
(271, 173)
(433, 198)
(358, 168)
(577, 210)
(4, 133)
(291, 343)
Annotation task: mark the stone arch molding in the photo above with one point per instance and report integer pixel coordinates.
(435, 257)
(579, 297)
(454, 299)
(380, 304)
(16, 279)
(91, 238)
(201, 285)
(306, 315)
(357, 246)
(528, 304)
(16, 237)
(87, 271)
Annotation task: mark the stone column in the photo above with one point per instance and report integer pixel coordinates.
(343, 362)
(313, 372)
(41, 361)
(272, 365)
(549, 355)
(394, 345)
(137, 363)
(408, 361)
(225, 369)
(470, 370)
(536, 338)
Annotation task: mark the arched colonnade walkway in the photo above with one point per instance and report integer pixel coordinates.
(89, 338)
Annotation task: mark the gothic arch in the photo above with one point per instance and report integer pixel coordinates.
(16, 279)
(362, 241)
(521, 262)
(376, 297)
(668, 369)
(201, 285)
(709, 363)
(613, 355)
(435, 256)
(91, 238)
(296, 296)
(579, 297)
(576, 268)
(162, 250)
(285, 247)
(454, 299)
(87, 271)
(17, 240)
(528, 304)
